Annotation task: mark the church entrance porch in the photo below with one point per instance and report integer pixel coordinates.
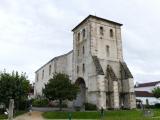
(81, 96)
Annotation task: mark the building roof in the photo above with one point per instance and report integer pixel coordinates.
(149, 84)
(98, 18)
(54, 59)
(143, 94)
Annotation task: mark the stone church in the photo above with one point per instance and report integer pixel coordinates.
(96, 64)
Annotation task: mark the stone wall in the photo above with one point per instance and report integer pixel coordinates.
(62, 64)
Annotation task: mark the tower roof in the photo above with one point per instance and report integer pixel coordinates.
(98, 18)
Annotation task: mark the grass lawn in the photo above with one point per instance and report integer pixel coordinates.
(109, 115)
(3, 117)
(17, 113)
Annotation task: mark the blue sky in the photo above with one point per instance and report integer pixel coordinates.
(34, 31)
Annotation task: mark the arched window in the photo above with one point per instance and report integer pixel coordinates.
(111, 33)
(83, 33)
(83, 68)
(101, 30)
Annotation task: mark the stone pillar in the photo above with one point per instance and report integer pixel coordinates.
(102, 92)
(11, 107)
(132, 98)
(132, 101)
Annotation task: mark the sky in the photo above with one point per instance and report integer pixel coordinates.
(34, 31)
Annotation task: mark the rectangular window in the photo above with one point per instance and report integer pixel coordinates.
(107, 51)
(77, 69)
(83, 50)
(84, 33)
(78, 52)
(50, 67)
(78, 37)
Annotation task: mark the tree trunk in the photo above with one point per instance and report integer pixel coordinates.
(60, 105)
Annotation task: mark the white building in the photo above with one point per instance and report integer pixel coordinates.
(144, 92)
(96, 64)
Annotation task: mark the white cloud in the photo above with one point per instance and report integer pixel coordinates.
(34, 31)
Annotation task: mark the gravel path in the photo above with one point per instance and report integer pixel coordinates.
(33, 116)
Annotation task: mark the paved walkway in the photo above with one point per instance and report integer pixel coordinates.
(33, 116)
(36, 113)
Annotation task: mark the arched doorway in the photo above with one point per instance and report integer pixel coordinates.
(81, 96)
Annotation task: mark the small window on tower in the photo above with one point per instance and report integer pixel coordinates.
(37, 76)
(78, 37)
(84, 33)
(107, 51)
(111, 33)
(83, 68)
(83, 50)
(77, 52)
(42, 74)
(50, 69)
(101, 30)
(77, 69)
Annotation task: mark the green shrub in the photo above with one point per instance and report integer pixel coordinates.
(77, 108)
(17, 113)
(63, 105)
(21, 105)
(55, 104)
(40, 103)
(3, 117)
(89, 106)
(149, 106)
(157, 105)
(2, 110)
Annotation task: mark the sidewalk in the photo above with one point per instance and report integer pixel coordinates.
(34, 116)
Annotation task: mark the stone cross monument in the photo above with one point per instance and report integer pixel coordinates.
(11, 107)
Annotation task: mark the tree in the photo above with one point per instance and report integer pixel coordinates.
(60, 88)
(15, 86)
(156, 92)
